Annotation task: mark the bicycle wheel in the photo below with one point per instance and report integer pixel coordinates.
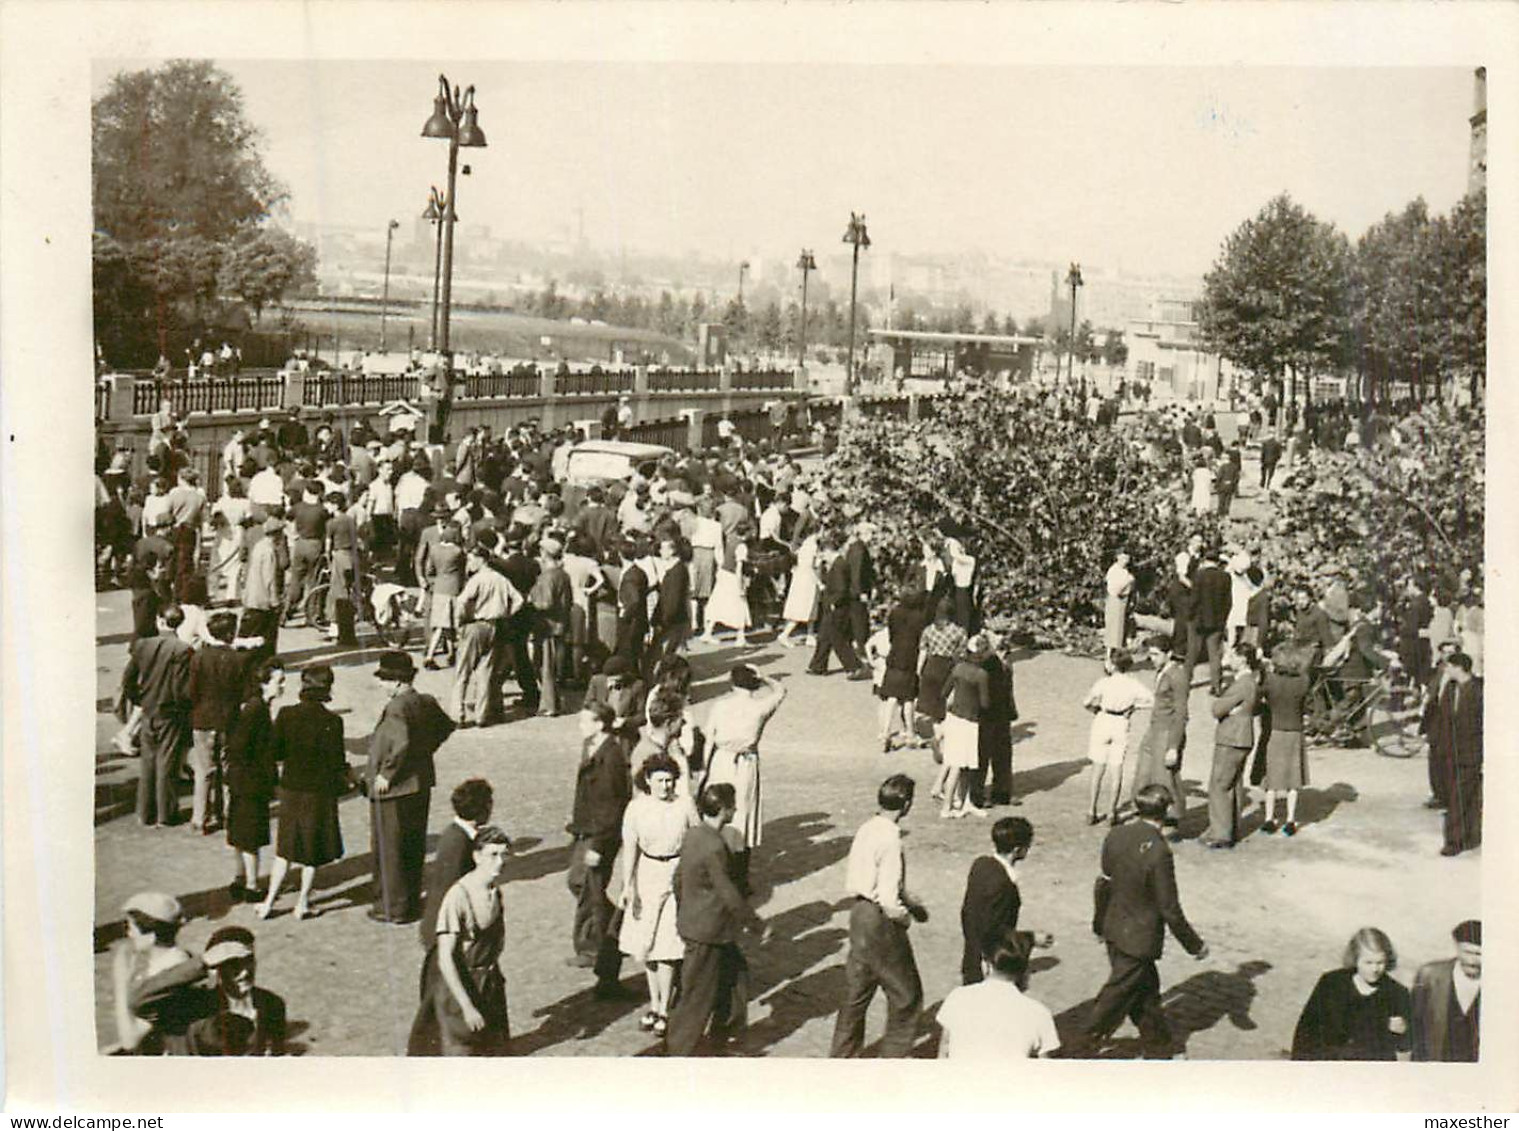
(316, 606)
(1394, 724)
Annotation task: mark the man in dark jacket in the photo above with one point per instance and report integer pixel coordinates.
(472, 799)
(1271, 455)
(632, 603)
(709, 914)
(597, 520)
(836, 633)
(1461, 708)
(1212, 592)
(157, 679)
(1135, 900)
(399, 778)
(602, 793)
(672, 613)
(992, 900)
(1447, 1002)
(218, 675)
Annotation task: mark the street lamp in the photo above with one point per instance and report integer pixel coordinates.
(1072, 280)
(805, 264)
(390, 234)
(437, 204)
(453, 119)
(854, 234)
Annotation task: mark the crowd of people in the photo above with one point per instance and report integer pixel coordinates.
(598, 593)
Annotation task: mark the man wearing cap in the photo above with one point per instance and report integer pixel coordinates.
(157, 679)
(399, 779)
(244, 1019)
(157, 985)
(1447, 1001)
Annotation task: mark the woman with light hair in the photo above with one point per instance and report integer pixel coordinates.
(1356, 1012)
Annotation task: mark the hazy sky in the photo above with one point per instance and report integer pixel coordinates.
(1141, 169)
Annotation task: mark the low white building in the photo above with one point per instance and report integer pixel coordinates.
(1167, 353)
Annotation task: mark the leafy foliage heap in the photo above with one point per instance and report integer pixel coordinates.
(1050, 499)
(1412, 506)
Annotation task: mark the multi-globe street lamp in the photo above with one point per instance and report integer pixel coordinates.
(453, 119)
(806, 265)
(857, 235)
(390, 235)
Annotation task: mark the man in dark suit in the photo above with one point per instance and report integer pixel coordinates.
(992, 900)
(1461, 708)
(1271, 455)
(632, 603)
(602, 792)
(709, 914)
(836, 632)
(1183, 605)
(1212, 592)
(597, 521)
(1135, 900)
(157, 679)
(399, 780)
(672, 613)
(862, 581)
(473, 801)
(218, 678)
(1232, 742)
(1447, 1002)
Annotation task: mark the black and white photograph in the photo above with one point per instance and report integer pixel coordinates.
(698, 547)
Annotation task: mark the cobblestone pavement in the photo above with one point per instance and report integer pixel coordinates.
(1276, 911)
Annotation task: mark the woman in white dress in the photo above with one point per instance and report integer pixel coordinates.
(733, 733)
(802, 596)
(1241, 590)
(706, 544)
(1202, 487)
(653, 827)
(228, 514)
(1115, 613)
(729, 605)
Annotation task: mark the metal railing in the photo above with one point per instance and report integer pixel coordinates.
(593, 384)
(763, 379)
(336, 387)
(690, 381)
(215, 394)
(895, 406)
(673, 432)
(501, 385)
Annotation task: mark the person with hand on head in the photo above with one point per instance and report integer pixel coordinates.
(156, 982)
(1357, 1012)
(1135, 900)
(880, 953)
(1447, 1001)
(734, 728)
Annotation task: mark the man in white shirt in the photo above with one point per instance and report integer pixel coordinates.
(233, 454)
(484, 605)
(266, 490)
(994, 1019)
(1112, 700)
(880, 955)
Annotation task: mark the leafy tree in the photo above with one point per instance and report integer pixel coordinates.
(1009, 327)
(989, 323)
(736, 319)
(180, 195)
(1275, 299)
(262, 265)
(1115, 351)
(1461, 263)
(666, 318)
(699, 312)
(770, 328)
(1035, 326)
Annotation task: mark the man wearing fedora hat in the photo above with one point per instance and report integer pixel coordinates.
(399, 778)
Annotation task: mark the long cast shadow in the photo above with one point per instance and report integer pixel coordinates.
(1192, 1006)
(801, 937)
(1042, 779)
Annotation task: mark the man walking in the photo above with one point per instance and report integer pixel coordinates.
(880, 954)
(1213, 591)
(400, 778)
(157, 679)
(1271, 455)
(1461, 708)
(709, 914)
(1135, 900)
(1447, 1002)
(602, 792)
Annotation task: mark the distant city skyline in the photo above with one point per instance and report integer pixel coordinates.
(1138, 170)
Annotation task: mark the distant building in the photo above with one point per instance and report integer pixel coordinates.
(1166, 352)
(1476, 174)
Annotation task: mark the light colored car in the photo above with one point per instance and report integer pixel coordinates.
(599, 461)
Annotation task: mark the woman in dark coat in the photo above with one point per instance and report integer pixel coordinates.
(941, 644)
(899, 685)
(1356, 1012)
(309, 744)
(252, 775)
(1286, 690)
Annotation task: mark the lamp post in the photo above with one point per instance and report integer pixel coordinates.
(806, 264)
(454, 120)
(390, 235)
(436, 205)
(1072, 280)
(857, 235)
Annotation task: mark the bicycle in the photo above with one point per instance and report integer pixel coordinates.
(1386, 711)
(391, 622)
